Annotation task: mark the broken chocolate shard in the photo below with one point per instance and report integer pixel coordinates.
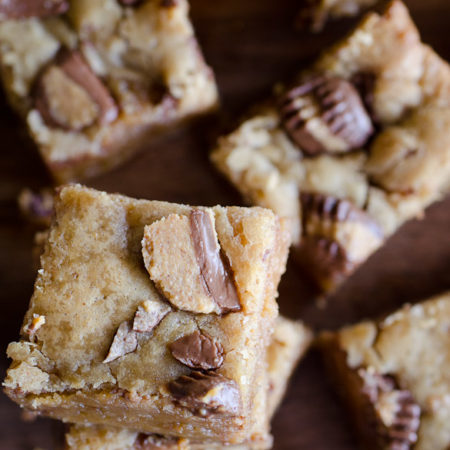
(331, 100)
(149, 315)
(205, 394)
(155, 442)
(24, 9)
(70, 96)
(124, 342)
(215, 269)
(198, 351)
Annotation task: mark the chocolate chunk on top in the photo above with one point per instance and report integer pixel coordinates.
(205, 394)
(23, 9)
(325, 114)
(124, 342)
(214, 267)
(198, 351)
(70, 96)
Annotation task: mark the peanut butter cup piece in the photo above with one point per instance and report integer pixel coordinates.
(184, 259)
(337, 236)
(23, 9)
(198, 351)
(325, 259)
(70, 96)
(396, 413)
(205, 394)
(323, 114)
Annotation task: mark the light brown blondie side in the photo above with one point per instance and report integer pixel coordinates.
(95, 80)
(394, 376)
(289, 343)
(358, 144)
(181, 348)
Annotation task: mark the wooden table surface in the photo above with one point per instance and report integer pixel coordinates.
(250, 44)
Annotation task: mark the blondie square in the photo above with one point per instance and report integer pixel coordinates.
(358, 144)
(151, 316)
(289, 343)
(394, 376)
(95, 80)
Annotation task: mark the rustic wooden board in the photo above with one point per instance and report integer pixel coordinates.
(251, 44)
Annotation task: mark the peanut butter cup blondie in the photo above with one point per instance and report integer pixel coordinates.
(394, 376)
(354, 147)
(289, 342)
(151, 316)
(94, 80)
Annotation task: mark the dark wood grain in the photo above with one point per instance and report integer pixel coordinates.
(251, 44)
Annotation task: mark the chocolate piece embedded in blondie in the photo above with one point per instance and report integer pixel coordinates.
(289, 342)
(94, 81)
(117, 318)
(394, 377)
(358, 144)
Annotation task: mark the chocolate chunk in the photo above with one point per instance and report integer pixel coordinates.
(37, 207)
(155, 442)
(205, 394)
(69, 95)
(125, 341)
(397, 415)
(149, 315)
(198, 351)
(23, 9)
(214, 266)
(325, 114)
